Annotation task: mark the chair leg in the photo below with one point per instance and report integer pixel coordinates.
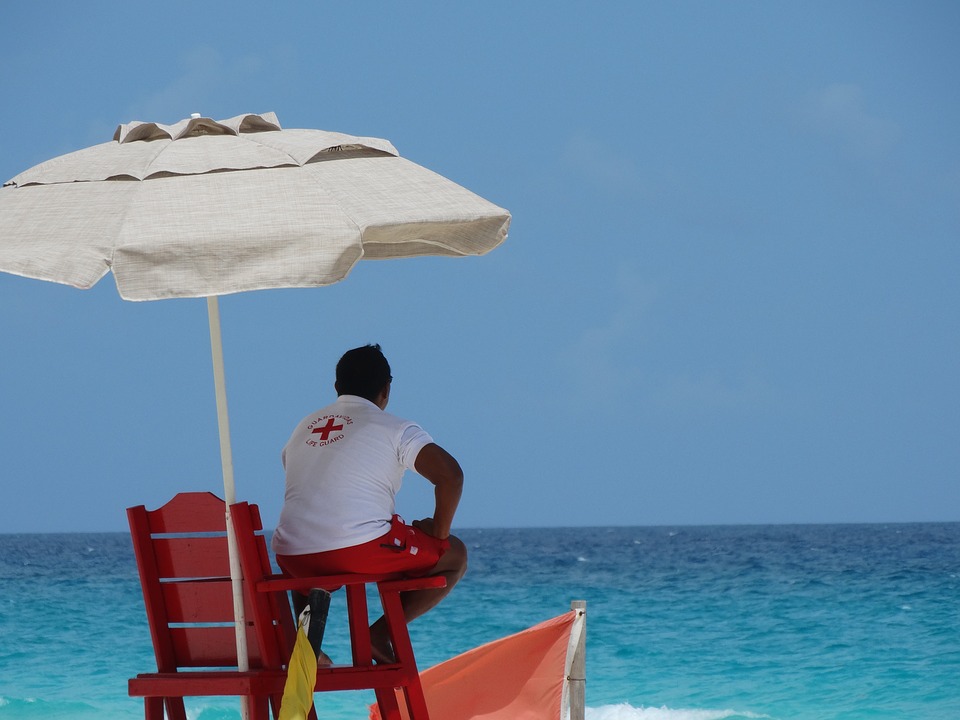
(359, 625)
(416, 702)
(175, 709)
(275, 702)
(389, 707)
(259, 707)
(403, 650)
(397, 628)
(153, 708)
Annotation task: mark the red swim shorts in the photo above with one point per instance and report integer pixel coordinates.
(403, 549)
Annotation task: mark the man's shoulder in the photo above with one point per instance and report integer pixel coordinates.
(397, 423)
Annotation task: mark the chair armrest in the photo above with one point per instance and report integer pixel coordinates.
(277, 583)
(404, 584)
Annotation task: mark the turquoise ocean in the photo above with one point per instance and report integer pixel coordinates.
(683, 623)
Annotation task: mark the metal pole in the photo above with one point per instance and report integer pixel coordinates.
(577, 679)
(229, 491)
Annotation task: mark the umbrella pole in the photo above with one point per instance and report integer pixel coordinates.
(226, 459)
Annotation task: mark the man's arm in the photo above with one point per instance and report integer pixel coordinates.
(440, 468)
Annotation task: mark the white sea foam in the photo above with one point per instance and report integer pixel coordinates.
(628, 712)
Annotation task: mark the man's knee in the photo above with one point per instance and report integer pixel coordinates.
(454, 560)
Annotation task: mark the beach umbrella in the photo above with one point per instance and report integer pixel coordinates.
(204, 208)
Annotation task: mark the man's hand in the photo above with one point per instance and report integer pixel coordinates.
(426, 525)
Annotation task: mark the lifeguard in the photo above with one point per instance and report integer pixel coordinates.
(344, 465)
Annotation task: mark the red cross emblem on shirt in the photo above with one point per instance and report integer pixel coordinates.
(327, 429)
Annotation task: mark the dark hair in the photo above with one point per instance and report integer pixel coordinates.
(363, 371)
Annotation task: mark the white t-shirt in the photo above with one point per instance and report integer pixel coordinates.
(344, 465)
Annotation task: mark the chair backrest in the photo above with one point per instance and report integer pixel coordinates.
(183, 560)
(278, 633)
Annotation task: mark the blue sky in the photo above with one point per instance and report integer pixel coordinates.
(730, 292)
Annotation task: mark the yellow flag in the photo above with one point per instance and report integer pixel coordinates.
(301, 679)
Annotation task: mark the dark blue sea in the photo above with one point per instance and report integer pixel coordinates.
(685, 623)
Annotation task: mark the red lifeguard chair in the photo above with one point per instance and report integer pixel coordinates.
(183, 560)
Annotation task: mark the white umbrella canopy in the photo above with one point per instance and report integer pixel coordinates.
(204, 208)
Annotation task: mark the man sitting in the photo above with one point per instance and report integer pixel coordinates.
(344, 465)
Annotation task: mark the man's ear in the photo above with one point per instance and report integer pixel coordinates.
(384, 397)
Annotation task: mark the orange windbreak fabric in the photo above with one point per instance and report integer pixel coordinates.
(519, 677)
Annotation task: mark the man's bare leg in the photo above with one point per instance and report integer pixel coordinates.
(415, 603)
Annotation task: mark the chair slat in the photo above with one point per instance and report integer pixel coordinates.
(197, 601)
(192, 557)
(210, 647)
